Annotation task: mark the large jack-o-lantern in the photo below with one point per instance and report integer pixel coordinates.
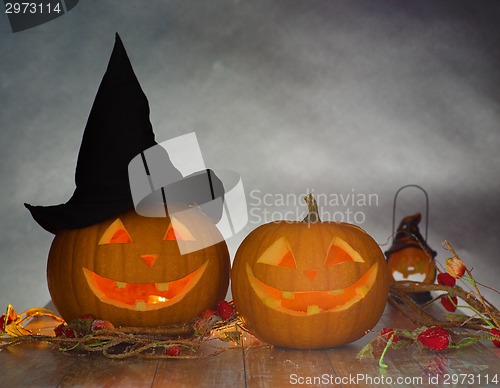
(309, 284)
(128, 270)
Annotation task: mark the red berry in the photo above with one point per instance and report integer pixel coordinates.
(69, 332)
(2, 321)
(205, 321)
(436, 338)
(87, 316)
(59, 330)
(225, 310)
(446, 279)
(99, 324)
(450, 305)
(389, 332)
(207, 314)
(496, 333)
(173, 351)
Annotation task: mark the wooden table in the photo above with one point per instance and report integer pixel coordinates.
(254, 364)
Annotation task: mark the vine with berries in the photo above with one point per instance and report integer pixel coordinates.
(88, 334)
(456, 330)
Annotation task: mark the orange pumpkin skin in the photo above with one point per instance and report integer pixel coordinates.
(142, 282)
(327, 298)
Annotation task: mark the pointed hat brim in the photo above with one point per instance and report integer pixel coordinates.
(118, 128)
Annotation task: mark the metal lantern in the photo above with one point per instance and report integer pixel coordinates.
(409, 257)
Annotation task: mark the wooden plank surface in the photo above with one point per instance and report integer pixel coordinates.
(33, 365)
(93, 370)
(254, 364)
(223, 370)
(367, 373)
(268, 366)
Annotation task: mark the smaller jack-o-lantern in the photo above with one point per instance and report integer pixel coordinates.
(410, 258)
(309, 284)
(128, 270)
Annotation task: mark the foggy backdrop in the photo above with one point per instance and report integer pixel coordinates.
(335, 97)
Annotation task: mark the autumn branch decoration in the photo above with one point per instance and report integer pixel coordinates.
(183, 341)
(455, 330)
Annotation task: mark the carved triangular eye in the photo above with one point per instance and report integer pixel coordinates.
(179, 233)
(341, 252)
(170, 234)
(278, 254)
(115, 234)
(287, 261)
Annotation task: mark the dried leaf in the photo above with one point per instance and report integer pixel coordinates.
(456, 317)
(231, 336)
(402, 343)
(14, 329)
(366, 352)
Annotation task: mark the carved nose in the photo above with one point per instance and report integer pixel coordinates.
(149, 259)
(311, 274)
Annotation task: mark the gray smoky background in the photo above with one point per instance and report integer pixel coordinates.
(336, 97)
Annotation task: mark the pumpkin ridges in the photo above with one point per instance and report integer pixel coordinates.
(91, 235)
(65, 266)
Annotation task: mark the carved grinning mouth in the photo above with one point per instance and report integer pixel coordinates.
(313, 302)
(142, 296)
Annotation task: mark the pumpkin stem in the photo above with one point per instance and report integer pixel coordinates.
(312, 206)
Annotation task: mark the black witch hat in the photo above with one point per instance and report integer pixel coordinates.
(408, 235)
(117, 130)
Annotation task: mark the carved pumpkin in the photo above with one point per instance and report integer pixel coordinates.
(410, 258)
(309, 284)
(128, 270)
(412, 264)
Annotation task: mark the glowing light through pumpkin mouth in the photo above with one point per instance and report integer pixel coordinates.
(313, 302)
(142, 296)
(415, 277)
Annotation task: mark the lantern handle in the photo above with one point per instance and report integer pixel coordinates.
(426, 208)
